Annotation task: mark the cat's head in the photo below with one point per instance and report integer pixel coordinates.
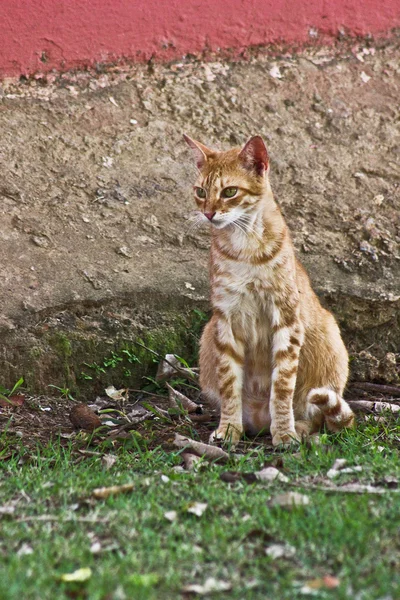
(230, 184)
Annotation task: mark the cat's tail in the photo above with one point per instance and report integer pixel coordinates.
(336, 411)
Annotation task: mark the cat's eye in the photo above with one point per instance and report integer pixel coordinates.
(229, 192)
(200, 192)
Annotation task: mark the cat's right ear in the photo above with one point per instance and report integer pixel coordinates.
(254, 155)
(201, 152)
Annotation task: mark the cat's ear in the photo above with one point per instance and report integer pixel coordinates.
(254, 155)
(201, 152)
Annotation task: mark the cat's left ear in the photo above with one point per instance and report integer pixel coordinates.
(202, 153)
(254, 155)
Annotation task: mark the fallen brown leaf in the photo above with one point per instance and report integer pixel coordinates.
(328, 582)
(210, 452)
(108, 461)
(177, 398)
(14, 400)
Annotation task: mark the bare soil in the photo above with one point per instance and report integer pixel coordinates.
(95, 197)
(41, 420)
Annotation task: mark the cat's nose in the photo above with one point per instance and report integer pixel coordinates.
(209, 215)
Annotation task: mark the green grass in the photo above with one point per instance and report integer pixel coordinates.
(144, 556)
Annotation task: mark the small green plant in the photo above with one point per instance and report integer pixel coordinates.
(65, 391)
(131, 356)
(111, 362)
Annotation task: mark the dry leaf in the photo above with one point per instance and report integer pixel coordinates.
(14, 400)
(290, 500)
(108, 461)
(210, 586)
(171, 366)
(95, 548)
(197, 508)
(171, 515)
(105, 492)
(79, 576)
(338, 468)
(328, 582)
(191, 461)
(270, 474)
(25, 550)
(210, 452)
(7, 509)
(275, 551)
(339, 463)
(115, 394)
(356, 469)
(166, 370)
(176, 399)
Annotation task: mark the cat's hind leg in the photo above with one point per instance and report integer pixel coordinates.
(337, 413)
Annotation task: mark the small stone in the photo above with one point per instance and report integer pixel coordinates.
(41, 241)
(124, 251)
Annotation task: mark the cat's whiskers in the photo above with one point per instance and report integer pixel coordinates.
(246, 227)
(195, 221)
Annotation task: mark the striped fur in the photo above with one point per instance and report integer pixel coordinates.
(271, 357)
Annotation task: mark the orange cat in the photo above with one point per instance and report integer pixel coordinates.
(271, 356)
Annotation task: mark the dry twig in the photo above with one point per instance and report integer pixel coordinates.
(105, 492)
(366, 406)
(391, 390)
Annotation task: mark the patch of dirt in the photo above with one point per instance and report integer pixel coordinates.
(42, 419)
(96, 191)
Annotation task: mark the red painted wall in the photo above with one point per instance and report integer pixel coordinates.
(38, 35)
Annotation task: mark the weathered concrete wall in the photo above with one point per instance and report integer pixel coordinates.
(40, 35)
(95, 244)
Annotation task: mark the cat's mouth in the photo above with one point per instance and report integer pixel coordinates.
(222, 221)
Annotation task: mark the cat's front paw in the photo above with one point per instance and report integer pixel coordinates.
(285, 439)
(229, 433)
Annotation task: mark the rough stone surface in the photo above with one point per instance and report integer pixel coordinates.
(95, 196)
